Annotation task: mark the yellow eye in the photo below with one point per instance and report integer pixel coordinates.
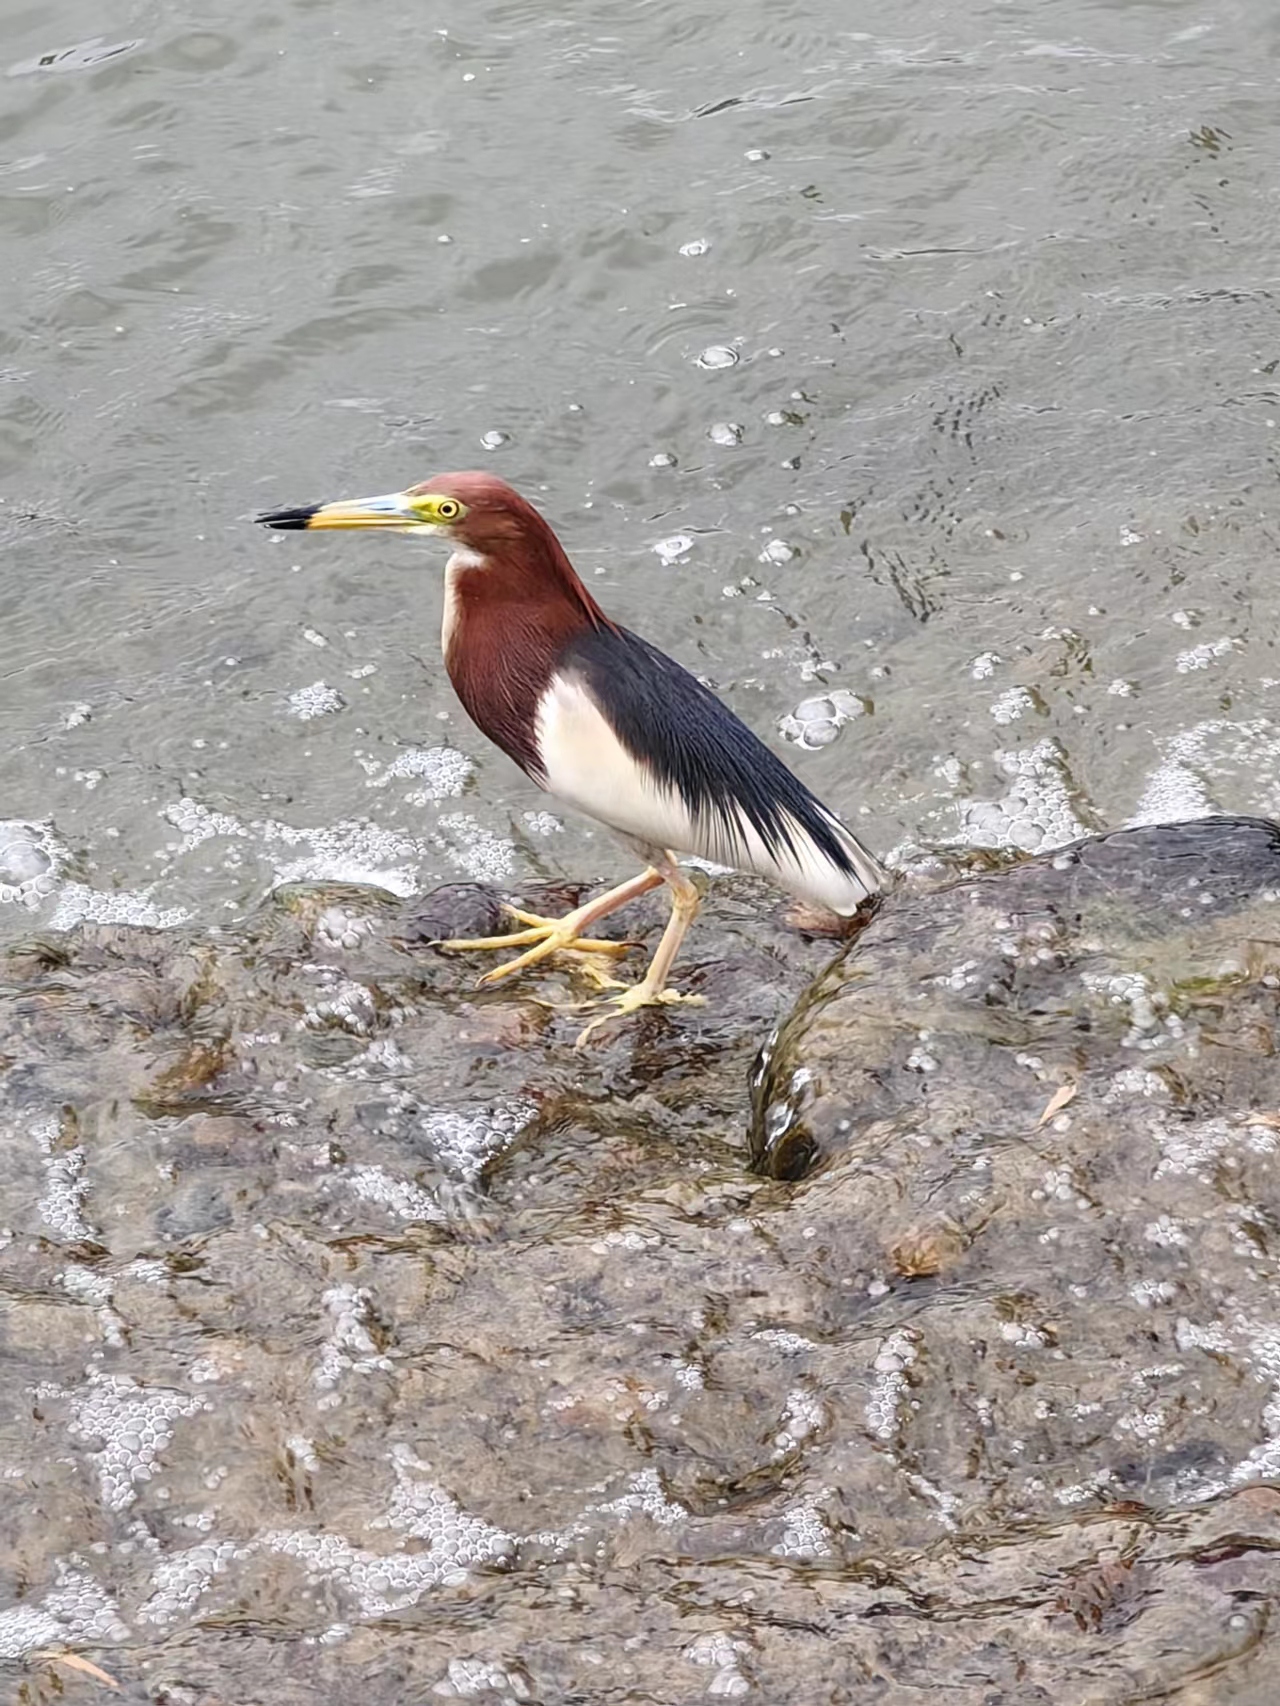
(448, 509)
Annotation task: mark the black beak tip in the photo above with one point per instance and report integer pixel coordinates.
(287, 520)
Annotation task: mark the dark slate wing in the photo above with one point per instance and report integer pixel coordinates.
(693, 744)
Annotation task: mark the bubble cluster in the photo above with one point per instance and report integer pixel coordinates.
(482, 855)
(1218, 750)
(383, 1054)
(1262, 1351)
(338, 928)
(180, 1580)
(23, 1628)
(77, 1611)
(382, 1583)
(723, 1653)
(1165, 1232)
(468, 1677)
(817, 722)
(61, 1205)
(1011, 705)
(198, 824)
(1138, 1081)
(317, 700)
(77, 903)
(891, 1387)
(463, 1143)
(806, 1534)
(350, 1347)
(86, 1285)
(644, 1497)
(350, 851)
(1193, 1147)
(134, 1423)
(790, 1344)
(441, 771)
(346, 1006)
(1148, 1007)
(31, 859)
(399, 1197)
(1201, 656)
(802, 1417)
(1037, 811)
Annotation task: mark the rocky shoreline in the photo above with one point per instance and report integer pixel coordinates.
(355, 1322)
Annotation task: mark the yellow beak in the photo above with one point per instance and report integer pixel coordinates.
(394, 512)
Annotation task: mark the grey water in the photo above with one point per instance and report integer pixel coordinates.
(930, 365)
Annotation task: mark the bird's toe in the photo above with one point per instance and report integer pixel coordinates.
(531, 920)
(632, 1000)
(487, 944)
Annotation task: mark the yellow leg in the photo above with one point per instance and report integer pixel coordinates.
(651, 991)
(543, 936)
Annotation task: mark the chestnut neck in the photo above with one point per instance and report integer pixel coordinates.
(510, 608)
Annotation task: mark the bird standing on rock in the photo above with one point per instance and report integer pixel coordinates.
(607, 724)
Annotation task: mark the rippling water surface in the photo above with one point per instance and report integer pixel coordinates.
(931, 365)
(909, 372)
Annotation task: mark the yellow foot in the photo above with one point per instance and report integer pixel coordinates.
(599, 976)
(637, 996)
(596, 975)
(540, 937)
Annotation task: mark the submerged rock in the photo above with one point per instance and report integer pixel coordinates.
(363, 1337)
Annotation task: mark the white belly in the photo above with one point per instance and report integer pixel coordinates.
(588, 768)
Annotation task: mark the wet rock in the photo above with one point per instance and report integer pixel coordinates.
(1059, 1081)
(342, 1290)
(929, 1246)
(454, 910)
(958, 1005)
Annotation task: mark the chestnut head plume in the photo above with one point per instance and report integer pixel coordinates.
(490, 520)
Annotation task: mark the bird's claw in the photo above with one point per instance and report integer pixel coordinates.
(550, 945)
(539, 938)
(631, 1000)
(599, 977)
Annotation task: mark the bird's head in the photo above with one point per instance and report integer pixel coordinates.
(477, 511)
(502, 547)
